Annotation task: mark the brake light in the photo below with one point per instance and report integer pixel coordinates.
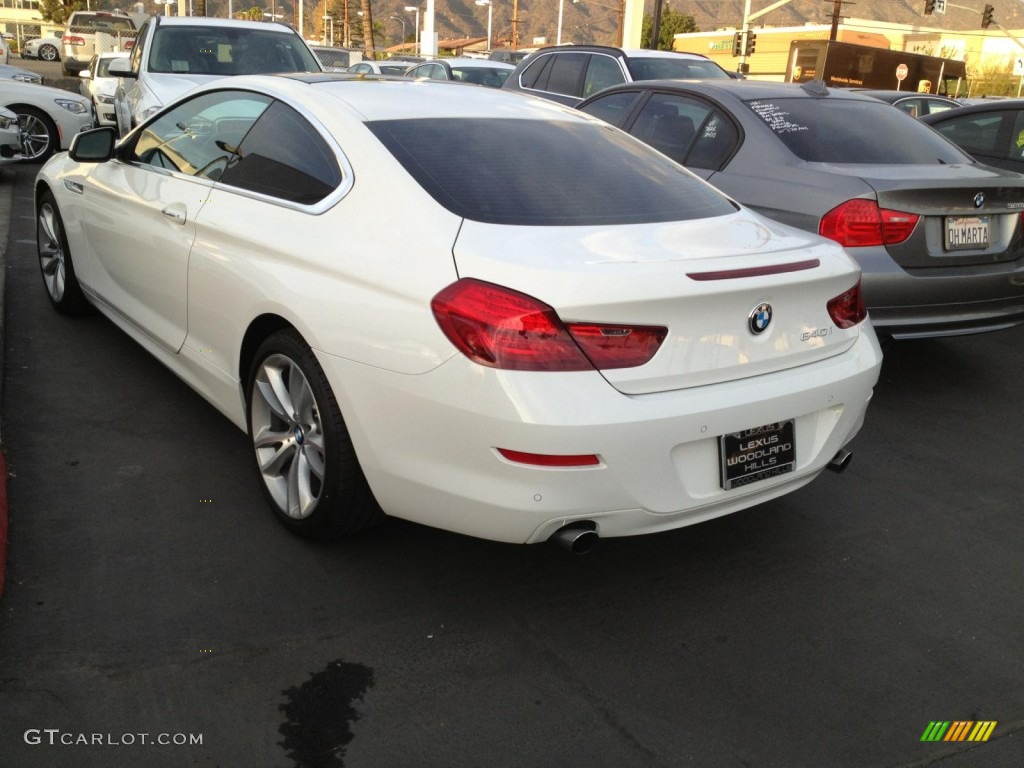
(501, 328)
(847, 309)
(861, 222)
(73, 40)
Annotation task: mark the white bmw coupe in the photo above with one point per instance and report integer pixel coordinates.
(462, 307)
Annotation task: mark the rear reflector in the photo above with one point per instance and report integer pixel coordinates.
(549, 460)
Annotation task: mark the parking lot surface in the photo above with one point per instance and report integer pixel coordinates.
(156, 614)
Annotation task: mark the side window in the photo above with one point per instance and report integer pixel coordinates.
(602, 72)
(566, 73)
(669, 123)
(200, 137)
(715, 143)
(1016, 148)
(975, 133)
(613, 108)
(283, 156)
(536, 74)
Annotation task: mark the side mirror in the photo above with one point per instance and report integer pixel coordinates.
(121, 68)
(95, 146)
(85, 74)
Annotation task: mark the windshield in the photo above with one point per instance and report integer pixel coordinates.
(543, 173)
(221, 51)
(837, 130)
(671, 68)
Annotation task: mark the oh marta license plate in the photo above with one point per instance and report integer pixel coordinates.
(757, 453)
(964, 233)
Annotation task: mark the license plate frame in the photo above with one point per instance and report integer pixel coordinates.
(758, 453)
(966, 233)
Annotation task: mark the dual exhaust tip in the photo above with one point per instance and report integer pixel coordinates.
(581, 537)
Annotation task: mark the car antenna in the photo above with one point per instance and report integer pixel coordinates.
(815, 88)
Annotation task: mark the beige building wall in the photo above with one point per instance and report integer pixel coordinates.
(984, 51)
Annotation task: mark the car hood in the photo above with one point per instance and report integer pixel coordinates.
(701, 279)
(166, 88)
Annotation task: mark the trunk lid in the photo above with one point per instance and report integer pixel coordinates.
(702, 279)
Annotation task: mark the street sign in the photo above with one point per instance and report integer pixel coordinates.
(940, 6)
(1018, 66)
(902, 72)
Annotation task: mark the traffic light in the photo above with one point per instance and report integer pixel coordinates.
(737, 44)
(751, 39)
(986, 16)
(929, 7)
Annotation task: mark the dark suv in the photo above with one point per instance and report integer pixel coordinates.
(569, 74)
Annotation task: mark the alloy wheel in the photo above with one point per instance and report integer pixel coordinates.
(288, 436)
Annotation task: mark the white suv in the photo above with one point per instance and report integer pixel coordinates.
(174, 54)
(90, 32)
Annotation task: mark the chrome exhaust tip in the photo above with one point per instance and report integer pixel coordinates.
(840, 461)
(578, 538)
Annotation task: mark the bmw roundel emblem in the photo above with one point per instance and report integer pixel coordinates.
(979, 200)
(760, 318)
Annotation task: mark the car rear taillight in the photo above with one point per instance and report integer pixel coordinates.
(73, 40)
(861, 222)
(847, 309)
(502, 328)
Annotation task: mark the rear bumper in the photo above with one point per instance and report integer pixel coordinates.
(428, 443)
(949, 301)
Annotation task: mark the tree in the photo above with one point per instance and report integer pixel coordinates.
(368, 26)
(58, 11)
(672, 23)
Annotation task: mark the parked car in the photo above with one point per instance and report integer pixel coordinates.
(99, 86)
(508, 55)
(43, 48)
(10, 137)
(502, 359)
(569, 74)
(914, 104)
(476, 71)
(385, 67)
(90, 32)
(50, 117)
(939, 237)
(5, 51)
(17, 73)
(992, 131)
(175, 53)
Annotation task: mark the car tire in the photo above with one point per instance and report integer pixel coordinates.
(55, 263)
(39, 137)
(305, 460)
(49, 53)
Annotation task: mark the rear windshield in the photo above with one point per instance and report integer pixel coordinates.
(100, 22)
(670, 68)
(826, 130)
(545, 173)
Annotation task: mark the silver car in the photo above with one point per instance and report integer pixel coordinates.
(938, 236)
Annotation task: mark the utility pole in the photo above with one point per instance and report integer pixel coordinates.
(515, 24)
